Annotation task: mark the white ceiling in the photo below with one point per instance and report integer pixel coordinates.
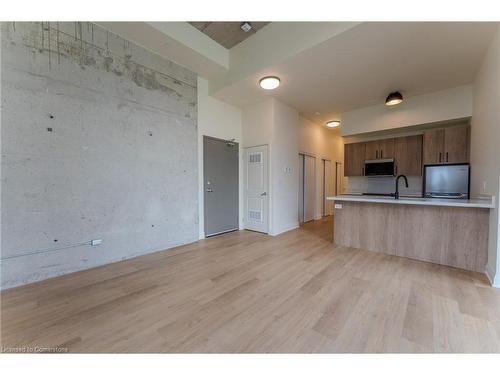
(362, 65)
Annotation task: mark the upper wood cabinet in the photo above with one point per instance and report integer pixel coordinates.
(456, 144)
(433, 146)
(371, 150)
(408, 155)
(354, 159)
(446, 146)
(437, 146)
(382, 149)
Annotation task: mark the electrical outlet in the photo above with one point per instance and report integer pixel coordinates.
(338, 206)
(96, 242)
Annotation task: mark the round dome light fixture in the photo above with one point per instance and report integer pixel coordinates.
(394, 98)
(269, 82)
(333, 124)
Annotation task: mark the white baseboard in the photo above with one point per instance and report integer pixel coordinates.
(286, 229)
(494, 278)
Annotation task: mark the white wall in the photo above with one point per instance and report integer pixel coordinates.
(99, 141)
(440, 106)
(323, 143)
(485, 151)
(284, 169)
(275, 124)
(257, 123)
(219, 120)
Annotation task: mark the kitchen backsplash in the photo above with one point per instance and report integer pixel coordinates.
(383, 185)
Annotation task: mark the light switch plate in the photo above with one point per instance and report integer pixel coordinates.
(338, 206)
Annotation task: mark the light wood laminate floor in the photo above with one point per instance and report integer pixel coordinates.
(248, 292)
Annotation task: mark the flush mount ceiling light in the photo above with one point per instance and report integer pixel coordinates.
(269, 83)
(246, 26)
(394, 98)
(333, 124)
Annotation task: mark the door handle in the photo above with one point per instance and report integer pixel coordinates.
(209, 190)
(440, 157)
(381, 154)
(447, 157)
(263, 194)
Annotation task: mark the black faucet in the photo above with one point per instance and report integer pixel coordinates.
(396, 194)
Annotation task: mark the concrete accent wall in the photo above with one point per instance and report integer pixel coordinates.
(99, 141)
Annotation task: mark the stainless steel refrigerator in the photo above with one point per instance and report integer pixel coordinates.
(447, 181)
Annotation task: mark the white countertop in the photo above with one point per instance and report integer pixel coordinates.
(472, 203)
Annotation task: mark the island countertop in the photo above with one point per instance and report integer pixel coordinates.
(471, 203)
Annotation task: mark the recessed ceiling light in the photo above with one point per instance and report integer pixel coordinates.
(246, 26)
(269, 83)
(333, 124)
(394, 98)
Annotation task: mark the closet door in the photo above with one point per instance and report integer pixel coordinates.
(328, 187)
(309, 187)
(301, 188)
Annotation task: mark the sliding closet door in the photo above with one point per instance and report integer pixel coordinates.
(309, 187)
(301, 188)
(328, 187)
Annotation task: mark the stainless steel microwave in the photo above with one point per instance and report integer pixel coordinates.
(379, 167)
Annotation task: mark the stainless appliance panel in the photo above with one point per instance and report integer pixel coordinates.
(447, 181)
(379, 167)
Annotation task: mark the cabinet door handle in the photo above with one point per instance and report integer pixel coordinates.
(440, 157)
(381, 154)
(447, 157)
(396, 169)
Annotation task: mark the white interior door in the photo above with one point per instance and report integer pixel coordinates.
(257, 189)
(309, 187)
(328, 187)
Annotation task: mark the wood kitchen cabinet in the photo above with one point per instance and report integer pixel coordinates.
(448, 145)
(433, 146)
(455, 144)
(354, 159)
(408, 155)
(381, 149)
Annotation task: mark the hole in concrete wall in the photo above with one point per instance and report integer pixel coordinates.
(51, 116)
(150, 133)
(55, 240)
(50, 129)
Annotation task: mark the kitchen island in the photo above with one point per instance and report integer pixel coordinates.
(443, 231)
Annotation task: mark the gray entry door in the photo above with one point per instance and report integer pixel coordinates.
(220, 174)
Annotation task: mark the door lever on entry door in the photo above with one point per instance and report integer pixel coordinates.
(263, 194)
(209, 190)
